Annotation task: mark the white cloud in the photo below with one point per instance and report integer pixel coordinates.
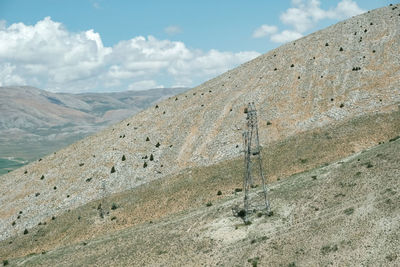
(173, 30)
(305, 15)
(285, 36)
(142, 85)
(264, 30)
(48, 56)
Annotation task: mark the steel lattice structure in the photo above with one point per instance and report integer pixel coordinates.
(252, 149)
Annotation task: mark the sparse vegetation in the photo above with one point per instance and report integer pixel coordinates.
(349, 211)
(328, 249)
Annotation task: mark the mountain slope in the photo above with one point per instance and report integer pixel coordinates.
(344, 213)
(34, 123)
(315, 88)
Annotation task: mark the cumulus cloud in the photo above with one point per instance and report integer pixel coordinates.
(304, 16)
(285, 36)
(173, 30)
(264, 30)
(48, 56)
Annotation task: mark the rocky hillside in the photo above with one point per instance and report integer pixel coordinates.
(34, 122)
(321, 98)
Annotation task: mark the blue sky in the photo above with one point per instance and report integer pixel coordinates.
(104, 45)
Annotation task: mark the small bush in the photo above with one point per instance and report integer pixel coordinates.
(238, 189)
(147, 139)
(13, 223)
(242, 213)
(26, 231)
(25, 172)
(314, 177)
(151, 157)
(341, 105)
(327, 249)
(53, 218)
(112, 169)
(88, 180)
(145, 164)
(81, 164)
(349, 211)
(113, 218)
(341, 49)
(394, 138)
(158, 144)
(292, 65)
(5, 262)
(37, 194)
(326, 44)
(269, 123)
(219, 193)
(209, 204)
(114, 206)
(55, 188)
(42, 177)
(123, 158)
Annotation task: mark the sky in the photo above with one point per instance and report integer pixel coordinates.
(116, 45)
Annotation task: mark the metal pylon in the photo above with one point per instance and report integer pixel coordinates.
(252, 149)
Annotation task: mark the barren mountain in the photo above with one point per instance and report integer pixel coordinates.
(34, 123)
(322, 100)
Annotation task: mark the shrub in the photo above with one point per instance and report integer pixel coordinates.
(26, 231)
(209, 204)
(238, 189)
(81, 164)
(341, 49)
(114, 206)
(326, 44)
(41, 178)
(341, 105)
(123, 158)
(112, 169)
(219, 193)
(147, 139)
(25, 172)
(145, 164)
(88, 180)
(314, 177)
(349, 211)
(158, 144)
(394, 138)
(113, 218)
(151, 157)
(292, 65)
(269, 123)
(53, 218)
(37, 194)
(242, 213)
(13, 223)
(55, 188)
(5, 262)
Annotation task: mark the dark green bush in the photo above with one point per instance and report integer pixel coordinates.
(112, 169)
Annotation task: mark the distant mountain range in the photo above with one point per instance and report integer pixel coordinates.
(34, 122)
